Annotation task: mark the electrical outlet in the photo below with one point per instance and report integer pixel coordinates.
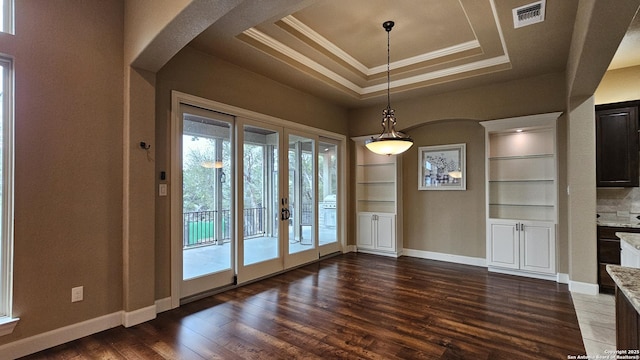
(77, 294)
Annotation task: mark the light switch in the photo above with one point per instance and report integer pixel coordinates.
(77, 294)
(162, 190)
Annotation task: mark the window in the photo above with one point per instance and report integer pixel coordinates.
(6, 16)
(7, 323)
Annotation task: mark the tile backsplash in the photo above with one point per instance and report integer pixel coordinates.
(612, 200)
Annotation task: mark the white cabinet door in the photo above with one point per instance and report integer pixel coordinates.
(538, 247)
(365, 230)
(386, 231)
(522, 245)
(503, 246)
(377, 233)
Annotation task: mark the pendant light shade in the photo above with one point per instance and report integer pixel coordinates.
(390, 141)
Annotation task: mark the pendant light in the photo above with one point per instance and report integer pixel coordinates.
(390, 141)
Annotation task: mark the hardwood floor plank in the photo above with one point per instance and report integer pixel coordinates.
(357, 306)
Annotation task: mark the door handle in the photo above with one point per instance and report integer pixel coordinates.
(286, 214)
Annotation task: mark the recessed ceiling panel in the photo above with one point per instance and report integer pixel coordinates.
(421, 26)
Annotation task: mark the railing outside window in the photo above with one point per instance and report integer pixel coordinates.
(201, 227)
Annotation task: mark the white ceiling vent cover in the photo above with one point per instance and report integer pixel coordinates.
(529, 14)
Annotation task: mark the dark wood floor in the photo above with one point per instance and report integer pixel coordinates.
(357, 306)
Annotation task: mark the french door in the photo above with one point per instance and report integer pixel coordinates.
(329, 178)
(249, 198)
(300, 195)
(207, 247)
(277, 226)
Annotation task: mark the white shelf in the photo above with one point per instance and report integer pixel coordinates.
(521, 173)
(522, 192)
(375, 182)
(525, 143)
(518, 157)
(522, 168)
(377, 173)
(378, 188)
(377, 164)
(522, 212)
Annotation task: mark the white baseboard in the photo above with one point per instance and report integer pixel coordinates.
(458, 259)
(33, 344)
(524, 273)
(59, 336)
(350, 248)
(139, 316)
(381, 253)
(563, 278)
(583, 288)
(163, 305)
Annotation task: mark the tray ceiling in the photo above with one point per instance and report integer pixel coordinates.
(337, 49)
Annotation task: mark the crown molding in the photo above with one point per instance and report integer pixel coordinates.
(312, 35)
(280, 48)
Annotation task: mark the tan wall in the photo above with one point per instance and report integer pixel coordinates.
(581, 175)
(619, 85)
(450, 222)
(198, 74)
(517, 98)
(536, 95)
(145, 19)
(68, 175)
(563, 199)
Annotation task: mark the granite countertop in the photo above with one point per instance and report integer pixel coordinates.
(628, 280)
(631, 238)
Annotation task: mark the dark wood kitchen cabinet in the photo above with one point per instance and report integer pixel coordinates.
(627, 324)
(617, 144)
(609, 253)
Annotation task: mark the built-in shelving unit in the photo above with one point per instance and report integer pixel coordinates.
(521, 171)
(522, 180)
(375, 182)
(378, 189)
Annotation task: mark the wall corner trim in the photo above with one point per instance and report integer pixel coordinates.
(139, 316)
(350, 248)
(583, 288)
(163, 305)
(563, 278)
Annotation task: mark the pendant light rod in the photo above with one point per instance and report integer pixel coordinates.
(388, 25)
(390, 141)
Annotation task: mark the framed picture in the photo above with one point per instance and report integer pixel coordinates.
(442, 167)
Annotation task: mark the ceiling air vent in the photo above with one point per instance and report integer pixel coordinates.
(528, 14)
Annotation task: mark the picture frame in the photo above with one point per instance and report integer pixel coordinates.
(442, 167)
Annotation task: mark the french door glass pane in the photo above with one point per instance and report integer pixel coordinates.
(261, 198)
(206, 151)
(6, 16)
(301, 193)
(327, 191)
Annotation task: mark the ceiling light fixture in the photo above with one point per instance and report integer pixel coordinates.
(212, 164)
(390, 141)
